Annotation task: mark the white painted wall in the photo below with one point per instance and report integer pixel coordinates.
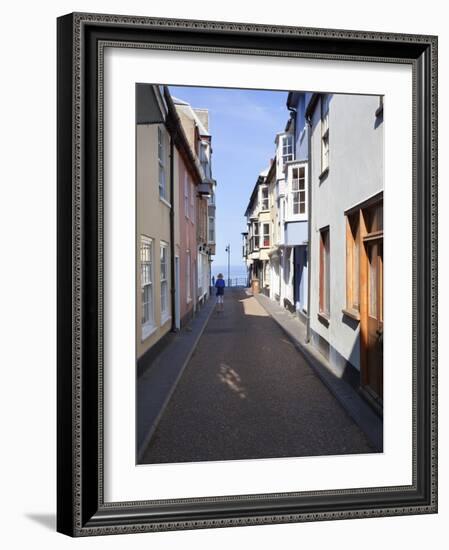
(355, 174)
(287, 274)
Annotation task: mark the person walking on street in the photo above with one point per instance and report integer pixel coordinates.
(220, 286)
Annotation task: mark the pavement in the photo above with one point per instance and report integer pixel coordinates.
(159, 378)
(246, 393)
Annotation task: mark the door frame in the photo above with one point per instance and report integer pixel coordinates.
(364, 298)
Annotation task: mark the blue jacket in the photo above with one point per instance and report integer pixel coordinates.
(220, 286)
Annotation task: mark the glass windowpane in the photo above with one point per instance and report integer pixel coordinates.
(372, 257)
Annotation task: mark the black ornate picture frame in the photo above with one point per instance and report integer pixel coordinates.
(81, 509)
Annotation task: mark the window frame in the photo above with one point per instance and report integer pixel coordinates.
(186, 195)
(164, 291)
(266, 236)
(256, 236)
(324, 274)
(369, 214)
(298, 191)
(192, 201)
(147, 326)
(188, 277)
(161, 158)
(287, 144)
(211, 227)
(325, 134)
(353, 254)
(263, 199)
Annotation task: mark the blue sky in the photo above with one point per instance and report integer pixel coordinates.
(243, 124)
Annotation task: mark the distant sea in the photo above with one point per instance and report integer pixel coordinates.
(236, 271)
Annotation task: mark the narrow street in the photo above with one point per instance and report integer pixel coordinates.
(248, 393)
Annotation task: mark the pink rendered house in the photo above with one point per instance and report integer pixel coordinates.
(187, 242)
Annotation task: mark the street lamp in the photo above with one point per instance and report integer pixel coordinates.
(228, 250)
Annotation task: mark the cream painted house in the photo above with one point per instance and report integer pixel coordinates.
(275, 220)
(259, 233)
(153, 234)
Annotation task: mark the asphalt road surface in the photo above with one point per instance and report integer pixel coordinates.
(248, 393)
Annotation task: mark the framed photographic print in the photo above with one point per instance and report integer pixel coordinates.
(247, 292)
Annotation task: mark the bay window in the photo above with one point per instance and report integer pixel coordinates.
(256, 236)
(266, 234)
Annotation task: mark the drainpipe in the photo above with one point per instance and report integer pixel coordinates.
(172, 239)
(309, 221)
(293, 115)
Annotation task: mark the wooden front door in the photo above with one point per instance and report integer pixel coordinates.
(371, 300)
(374, 353)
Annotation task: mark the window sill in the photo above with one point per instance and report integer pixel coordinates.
(164, 319)
(352, 313)
(324, 318)
(147, 331)
(165, 201)
(324, 174)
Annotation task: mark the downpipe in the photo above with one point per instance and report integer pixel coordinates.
(309, 225)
